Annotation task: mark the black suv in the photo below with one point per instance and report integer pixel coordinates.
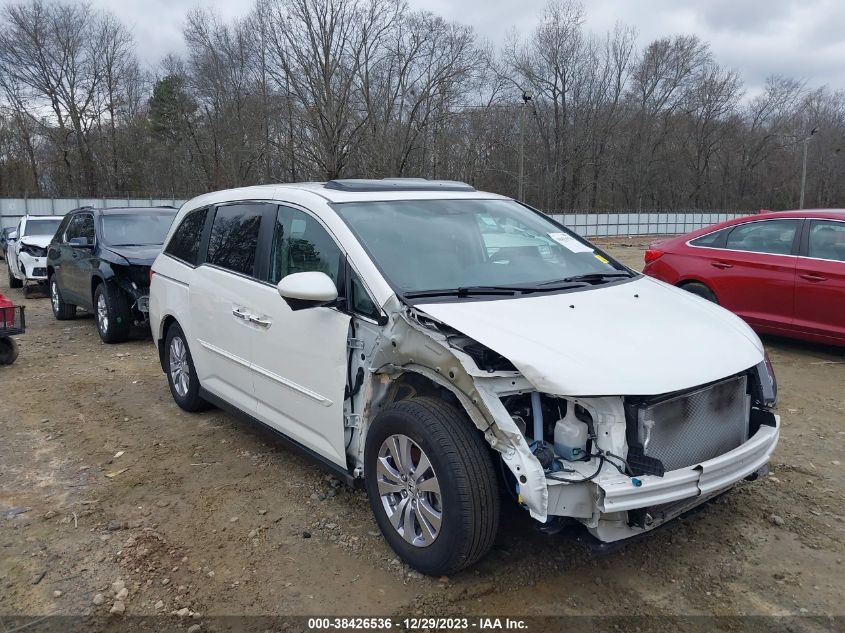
(100, 259)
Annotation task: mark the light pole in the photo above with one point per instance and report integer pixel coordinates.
(526, 97)
(804, 166)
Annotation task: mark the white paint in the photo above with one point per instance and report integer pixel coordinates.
(637, 338)
(309, 286)
(15, 257)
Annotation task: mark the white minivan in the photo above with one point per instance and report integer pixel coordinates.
(440, 344)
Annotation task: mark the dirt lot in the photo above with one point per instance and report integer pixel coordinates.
(104, 479)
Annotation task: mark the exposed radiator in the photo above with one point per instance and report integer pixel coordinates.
(697, 425)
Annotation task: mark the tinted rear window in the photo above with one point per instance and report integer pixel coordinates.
(767, 236)
(234, 237)
(185, 243)
(711, 240)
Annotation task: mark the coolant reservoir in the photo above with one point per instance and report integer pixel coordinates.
(571, 436)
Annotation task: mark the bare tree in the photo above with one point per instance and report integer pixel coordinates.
(316, 89)
(318, 47)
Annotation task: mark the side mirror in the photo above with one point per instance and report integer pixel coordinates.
(12, 236)
(80, 242)
(307, 290)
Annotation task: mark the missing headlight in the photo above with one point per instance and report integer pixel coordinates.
(766, 382)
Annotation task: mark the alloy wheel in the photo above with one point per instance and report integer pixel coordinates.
(54, 296)
(409, 490)
(102, 313)
(179, 369)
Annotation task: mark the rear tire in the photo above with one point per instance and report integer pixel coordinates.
(8, 350)
(701, 290)
(61, 311)
(465, 510)
(181, 374)
(14, 282)
(111, 312)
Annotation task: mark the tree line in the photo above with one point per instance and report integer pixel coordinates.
(320, 89)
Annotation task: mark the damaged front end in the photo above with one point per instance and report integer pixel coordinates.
(618, 464)
(134, 282)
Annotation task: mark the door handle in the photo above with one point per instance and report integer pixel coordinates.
(237, 312)
(812, 277)
(721, 265)
(265, 323)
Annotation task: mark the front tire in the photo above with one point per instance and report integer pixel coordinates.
(111, 312)
(61, 311)
(181, 374)
(14, 282)
(431, 484)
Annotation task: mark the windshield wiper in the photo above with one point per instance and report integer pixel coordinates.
(472, 291)
(591, 278)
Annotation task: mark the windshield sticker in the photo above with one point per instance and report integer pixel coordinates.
(603, 260)
(570, 243)
(488, 220)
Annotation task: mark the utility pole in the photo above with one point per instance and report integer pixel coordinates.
(804, 166)
(526, 97)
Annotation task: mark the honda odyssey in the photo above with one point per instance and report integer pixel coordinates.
(437, 343)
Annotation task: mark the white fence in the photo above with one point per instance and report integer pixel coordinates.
(12, 209)
(645, 223)
(586, 224)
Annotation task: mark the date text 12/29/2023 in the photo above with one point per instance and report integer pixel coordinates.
(421, 623)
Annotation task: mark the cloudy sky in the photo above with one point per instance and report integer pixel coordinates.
(803, 39)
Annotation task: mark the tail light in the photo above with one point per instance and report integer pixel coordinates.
(652, 254)
(151, 276)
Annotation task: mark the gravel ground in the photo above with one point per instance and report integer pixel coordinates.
(114, 500)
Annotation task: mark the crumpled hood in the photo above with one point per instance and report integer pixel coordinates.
(37, 240)
(137, 255)
(643, 338)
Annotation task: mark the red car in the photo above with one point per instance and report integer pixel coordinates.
(783, 272)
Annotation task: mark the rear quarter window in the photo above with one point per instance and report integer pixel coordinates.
(711, 240)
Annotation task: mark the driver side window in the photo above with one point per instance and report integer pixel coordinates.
(81, 226)
(301, 244)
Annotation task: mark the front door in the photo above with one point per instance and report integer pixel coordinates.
(75, 272)
(221, 337)
(820, 281)
(300, 357)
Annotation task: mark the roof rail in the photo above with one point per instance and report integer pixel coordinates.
(396, 184)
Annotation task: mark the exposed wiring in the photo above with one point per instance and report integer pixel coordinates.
(602, 456)
(628, 470)
(601, 459)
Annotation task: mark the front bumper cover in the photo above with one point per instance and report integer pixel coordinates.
(34, 268)
(619, 493)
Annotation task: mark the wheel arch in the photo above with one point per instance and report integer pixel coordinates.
(695, 280)
(165, 324)
(95, 281)
(417, 380)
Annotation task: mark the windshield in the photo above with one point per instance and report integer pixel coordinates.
(41, 227)
(137, 229)
(428, 245)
